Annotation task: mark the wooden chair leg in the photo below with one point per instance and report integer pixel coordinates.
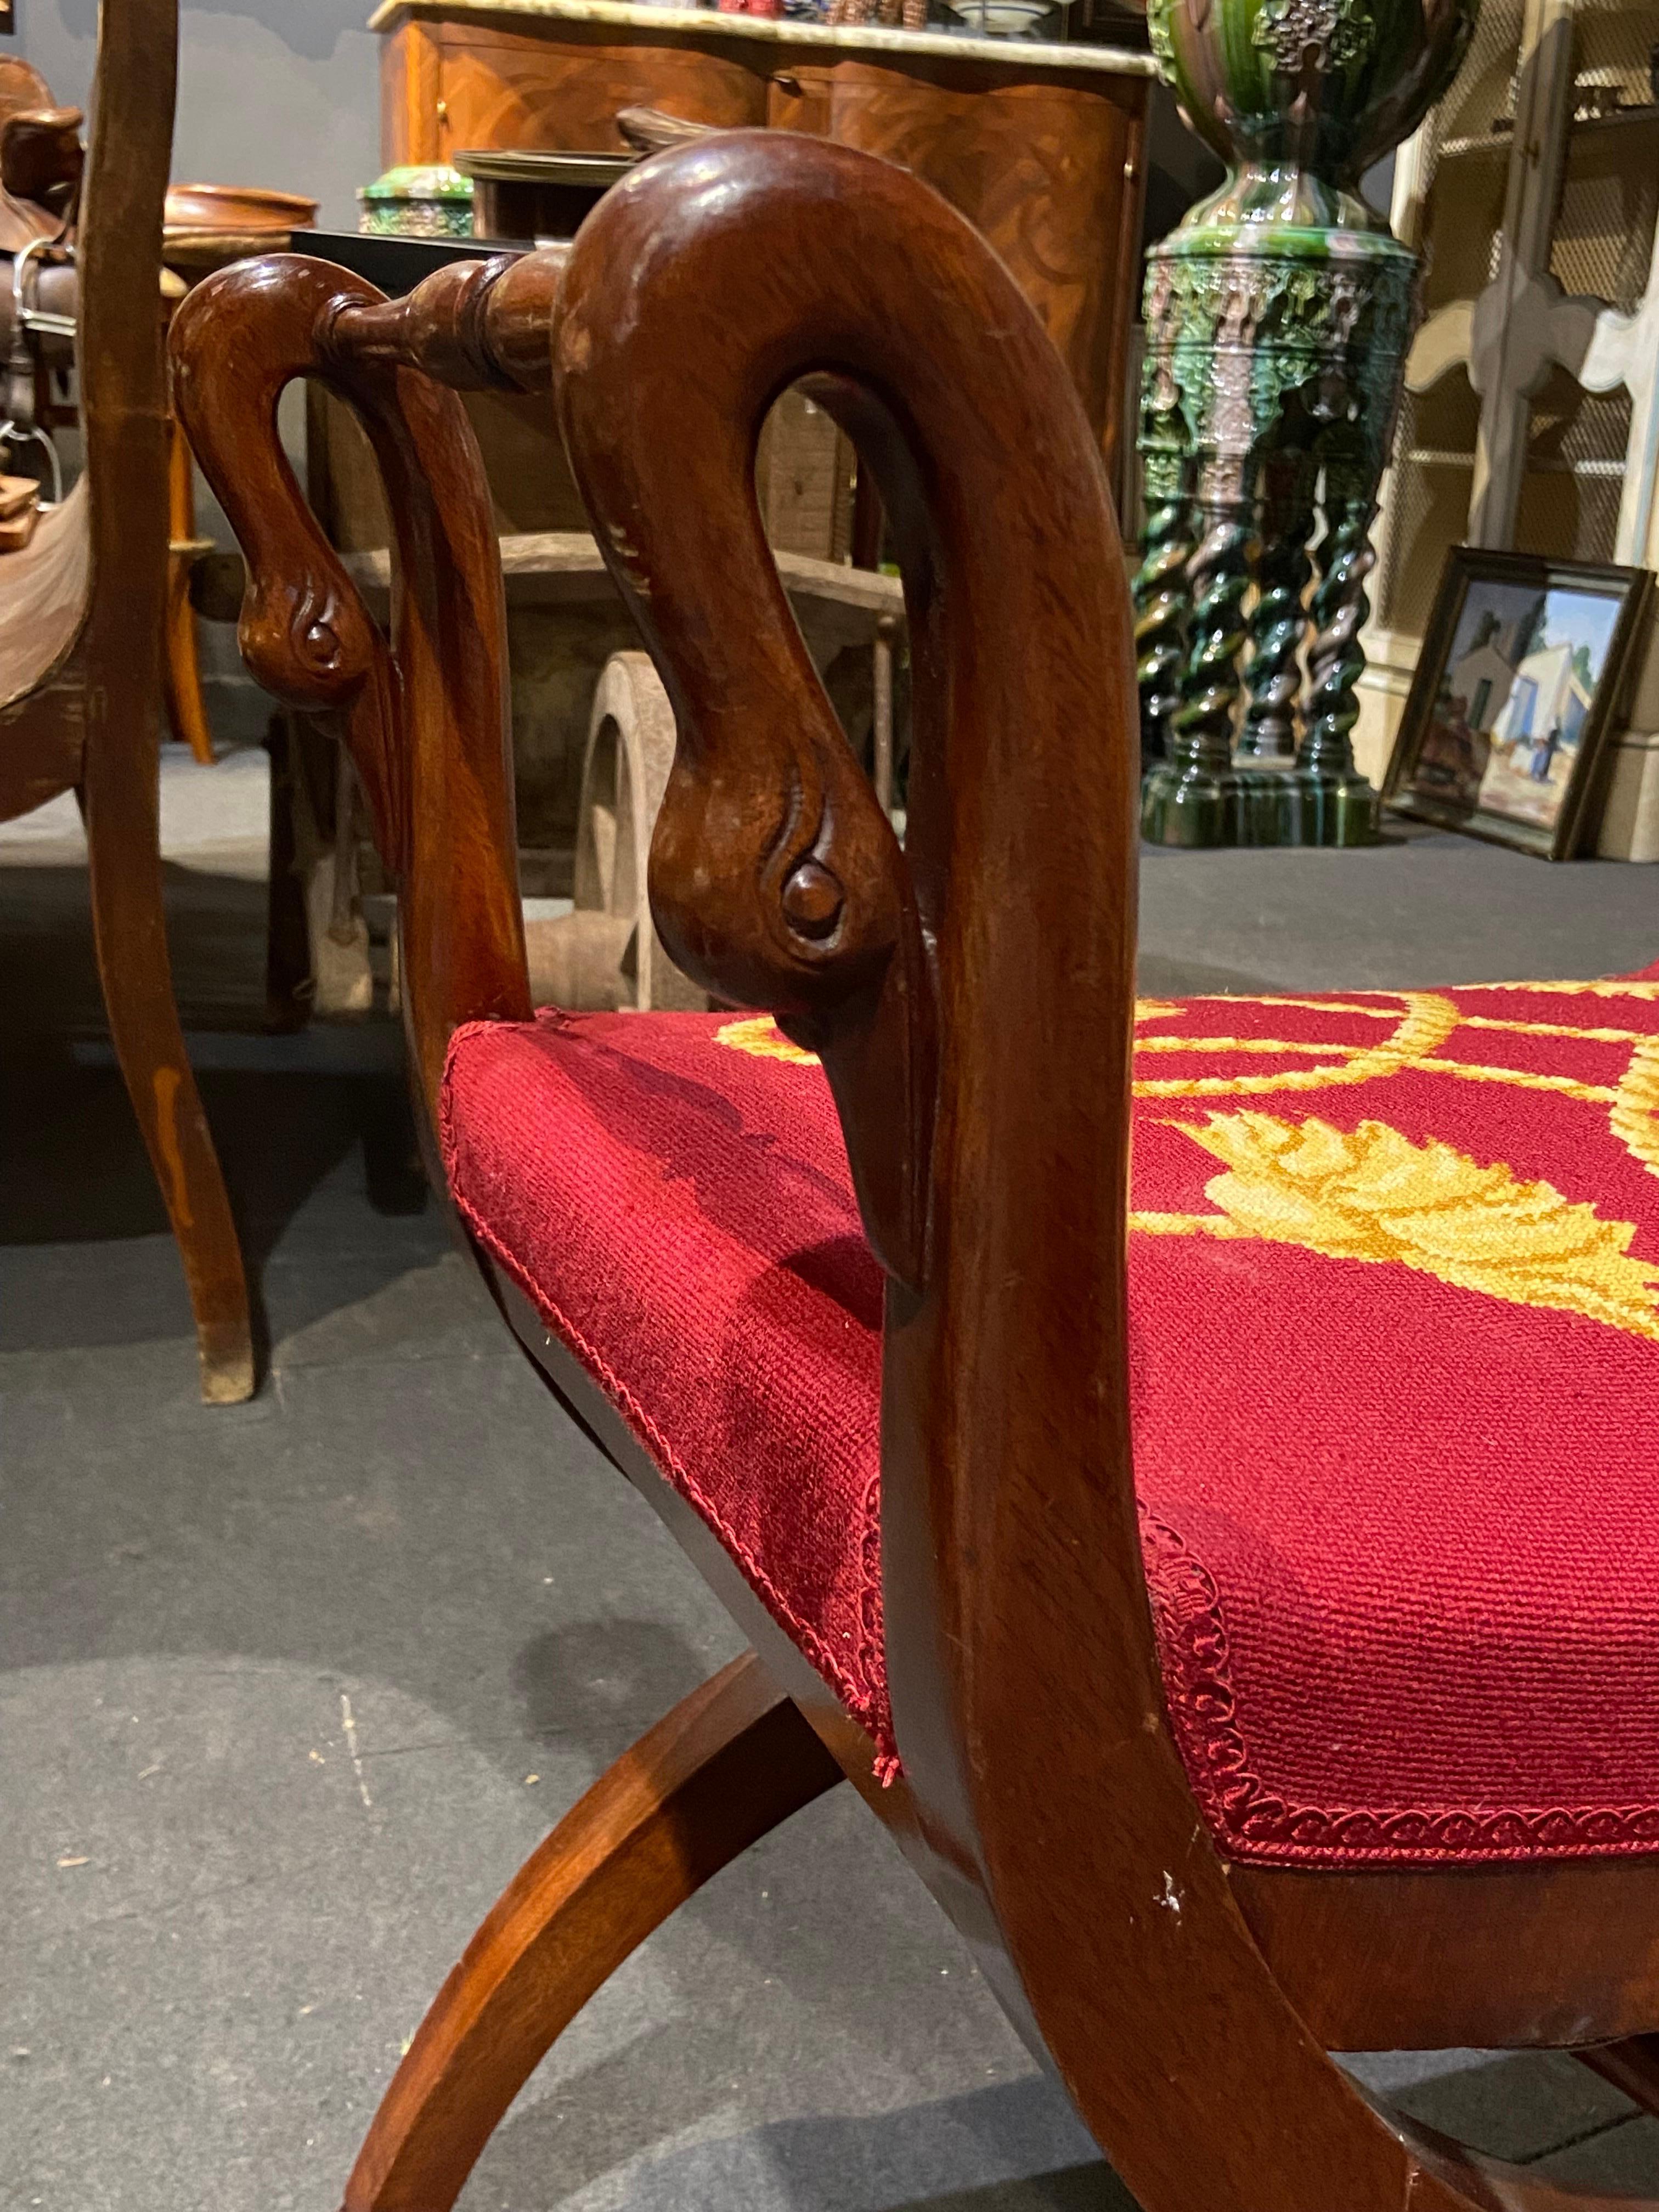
(719, 1772)
(182, 664)
(121, 802)
(1631, 2064)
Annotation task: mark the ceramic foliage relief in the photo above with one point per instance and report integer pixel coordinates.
(1278, 317)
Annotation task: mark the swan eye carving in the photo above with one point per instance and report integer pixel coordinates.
(812, 901)
(321, 645)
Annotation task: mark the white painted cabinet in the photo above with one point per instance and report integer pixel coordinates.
(1531, 414)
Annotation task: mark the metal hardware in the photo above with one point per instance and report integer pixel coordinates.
(13, 434)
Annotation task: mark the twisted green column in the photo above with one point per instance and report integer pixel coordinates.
(1159, 595)
(1342, 806)
(1278, 625)
(1195, 796)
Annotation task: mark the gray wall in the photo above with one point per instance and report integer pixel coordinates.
(270, 92)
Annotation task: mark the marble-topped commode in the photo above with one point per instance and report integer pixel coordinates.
(852, 37)
(1039, 145)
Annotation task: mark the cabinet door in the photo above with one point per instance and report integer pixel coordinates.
(1587, 473)
(501, 91)
(1049, 169)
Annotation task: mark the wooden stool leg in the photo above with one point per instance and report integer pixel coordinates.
(121, 800)
(714, 1776)
(182, 668)
(1631, 2065)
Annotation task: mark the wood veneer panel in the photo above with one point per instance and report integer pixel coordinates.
(410, 123)
(502, 90)
(1049, 169)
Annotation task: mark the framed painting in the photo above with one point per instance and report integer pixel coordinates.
(1519, 684)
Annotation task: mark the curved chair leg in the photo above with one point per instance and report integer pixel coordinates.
(120, 800)
(714, 1776)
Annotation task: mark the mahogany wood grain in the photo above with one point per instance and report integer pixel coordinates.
(425, 716)
(972, 998)
(412, 114)
(1049, 169)
(493, 87)
(1488, 1957)
(474, 325)
(1011, 1560)
(719, 1772)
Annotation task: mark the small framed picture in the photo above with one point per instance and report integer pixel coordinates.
(1518, 685)
(8, 19)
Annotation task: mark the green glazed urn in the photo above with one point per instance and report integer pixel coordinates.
(1278, 314)
(1300, 97)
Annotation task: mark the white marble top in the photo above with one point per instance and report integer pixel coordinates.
(1034, 54)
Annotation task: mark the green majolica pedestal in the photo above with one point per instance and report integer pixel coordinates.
(1278, 318)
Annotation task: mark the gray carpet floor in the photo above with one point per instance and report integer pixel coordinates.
(286, 1690)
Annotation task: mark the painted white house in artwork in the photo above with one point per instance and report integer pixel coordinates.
(1482, 680)
(1546, 698)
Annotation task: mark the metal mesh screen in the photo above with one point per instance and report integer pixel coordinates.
(1467, 160)
(1602, 241)
(1575, 477)
(1465, 164)
(1429, 504)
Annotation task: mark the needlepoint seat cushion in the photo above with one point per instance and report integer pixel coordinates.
(1395, 1318)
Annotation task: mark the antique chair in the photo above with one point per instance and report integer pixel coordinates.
(1378, 1764)
(81, 621)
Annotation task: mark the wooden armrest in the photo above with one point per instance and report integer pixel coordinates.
(425, 713)
(718, 275)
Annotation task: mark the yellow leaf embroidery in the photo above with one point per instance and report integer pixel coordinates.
(759, 1035)
(1635, 1113)
(1597, 986)
(1374, 1195)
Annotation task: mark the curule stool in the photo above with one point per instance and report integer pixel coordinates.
(1232, 1723)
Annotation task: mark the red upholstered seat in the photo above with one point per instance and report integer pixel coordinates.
(1394, 1289)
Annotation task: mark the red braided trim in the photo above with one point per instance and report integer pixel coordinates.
(1251, 1821)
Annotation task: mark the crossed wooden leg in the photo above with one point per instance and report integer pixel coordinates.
(716, 1774)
